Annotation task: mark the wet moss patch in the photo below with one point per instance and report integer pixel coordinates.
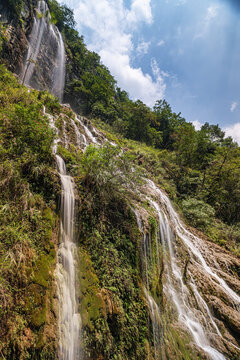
(43, 270)
(92, 305)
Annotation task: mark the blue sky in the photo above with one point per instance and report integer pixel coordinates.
(186, 51)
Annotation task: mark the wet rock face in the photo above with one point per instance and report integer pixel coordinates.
(224, 309)
(42, 75)
(220, 302)
(200, 284)
(18, 27)
(34, 47)
(44, 62)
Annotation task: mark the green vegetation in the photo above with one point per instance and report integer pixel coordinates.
(198, 213)
(117, 321)
(61, 15)
(28, 190)
(114, 312)
(198, 169)
(185, 187)
(14, 6)
(193, 166)
(108, 233)
(108, 170)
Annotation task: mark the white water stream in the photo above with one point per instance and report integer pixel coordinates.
(69, 319)
(191, 242)
(153, 307)
(91, 138)
(179, 293)
(44, 66)
(57, 87)
(198, 321)
(44, 38)
(80, 138)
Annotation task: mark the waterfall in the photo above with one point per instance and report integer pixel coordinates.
(59, 71)
(153, 307)
(44, 65)
(192, 243)
(90, 136)
(69, 319)
(81, 138)
(197, 320)
(179, 293)
(183, 298)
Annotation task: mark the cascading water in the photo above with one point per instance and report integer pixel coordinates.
(57, 87)
(191, 242)
(44, 66)
(81, 138)
(153, 307)
(198, 320)
(178, 291)
(193, 313)
(69, 318)
(90, 136)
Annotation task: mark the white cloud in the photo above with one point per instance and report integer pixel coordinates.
(234, 105)
(140, 11)
(110, 27)
(157, 72)
(142, 48)
(140, 85)
(211, 14)
(161, 43)
(197, 124)
(234, 132)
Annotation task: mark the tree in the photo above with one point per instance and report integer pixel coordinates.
(108, 171)
(198, 213)
(185, 143)
(141, 122)
(214, 133)
(223, 182)
(168, 121)
(61, 15)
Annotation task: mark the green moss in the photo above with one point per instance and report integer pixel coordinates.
(27, 220)
(36, 305)
(92, 305)
(43, 270)
(49, 216)
(179, 346)
(68, 156)
(39, 316)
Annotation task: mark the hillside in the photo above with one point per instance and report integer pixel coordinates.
(102, 235)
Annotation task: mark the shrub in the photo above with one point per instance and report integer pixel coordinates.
(198, 213)
(108, 170)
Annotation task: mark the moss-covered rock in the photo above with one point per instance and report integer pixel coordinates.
(43, 270)
(92, 305)
(39, 315)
